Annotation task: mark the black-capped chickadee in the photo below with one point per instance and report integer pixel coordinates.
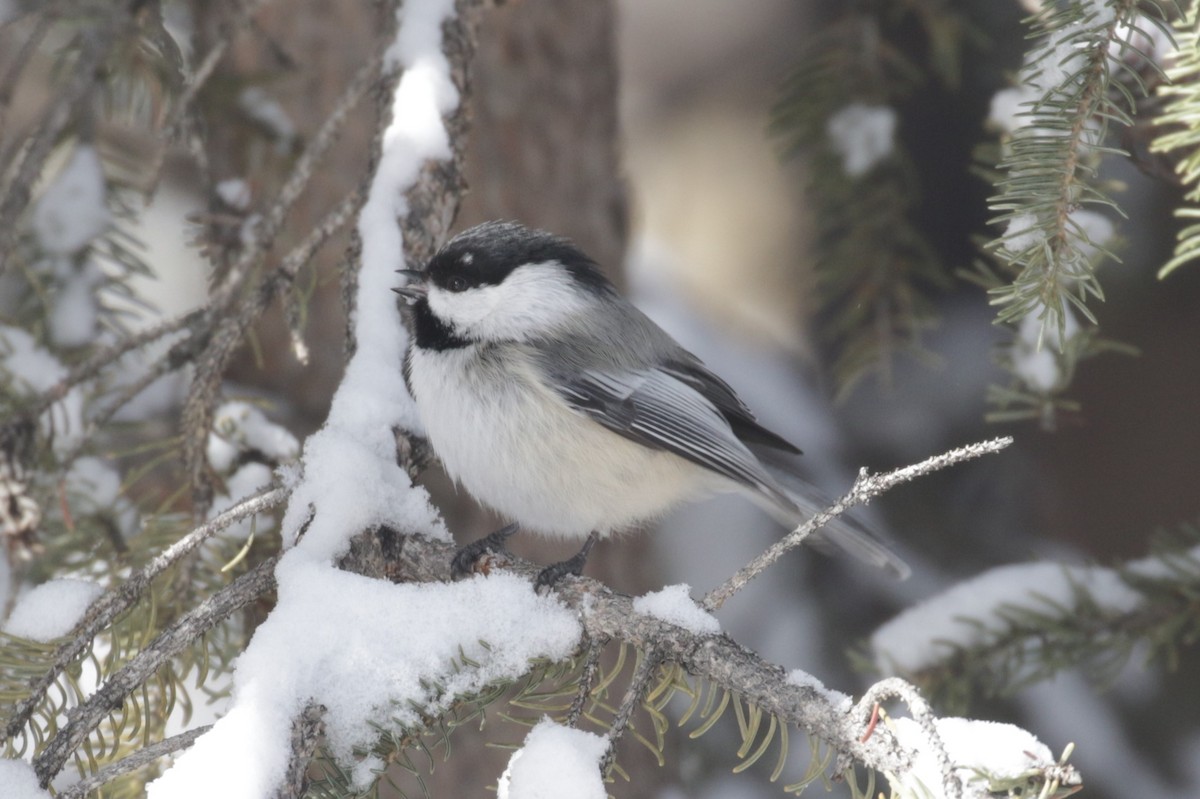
(556, 402)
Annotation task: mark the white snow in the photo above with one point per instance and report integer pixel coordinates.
(966, 615)
(75, 308)
(1035, 351)
(71, 212)
(674, 604)
(556, 762)
(1002, 752)
(234, 192)
(50, 610)
(18, 781)
(1010, 107)
(1147, 38)
(94, 486)
(34, 370)
(1021, 233)
(838, 700)
(238, 428)
(365, 649)
(862, 134)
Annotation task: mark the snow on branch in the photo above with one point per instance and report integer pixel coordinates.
(1015, 623)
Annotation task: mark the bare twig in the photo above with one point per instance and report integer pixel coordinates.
(117, 600)
(170, 642)
(142, 757)
(866, 487)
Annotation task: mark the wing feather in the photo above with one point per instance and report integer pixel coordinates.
(657, 410)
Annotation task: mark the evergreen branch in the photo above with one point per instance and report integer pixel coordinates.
(1049, 165)
(1075, 616)
(875, 269)
(117, 600)
(1181, 134)
(174, 639)
(866, 487)
(142, 757)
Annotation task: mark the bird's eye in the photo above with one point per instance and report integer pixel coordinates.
(457, 283)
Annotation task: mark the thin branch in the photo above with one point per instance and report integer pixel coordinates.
(142, 757)
(170, 642)
(638, 686)
(117, 600)
(866, 487)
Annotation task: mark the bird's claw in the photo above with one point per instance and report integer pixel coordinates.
(468, 558)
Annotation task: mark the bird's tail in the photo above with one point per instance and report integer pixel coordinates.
(798, 501)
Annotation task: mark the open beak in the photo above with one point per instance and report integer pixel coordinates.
(415, 288)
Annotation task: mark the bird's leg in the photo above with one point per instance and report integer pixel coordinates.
(573, 565)
(465, 560)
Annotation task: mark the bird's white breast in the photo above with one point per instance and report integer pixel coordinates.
(517, 447)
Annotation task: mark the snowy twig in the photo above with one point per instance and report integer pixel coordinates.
(866, 487)
(142, 757)
(184, 632)
(714, 658)
(922, 714)
(116, 601)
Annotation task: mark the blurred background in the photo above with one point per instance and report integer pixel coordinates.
(642, 129)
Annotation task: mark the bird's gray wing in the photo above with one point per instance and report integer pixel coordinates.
(692, 371)
(658, 410)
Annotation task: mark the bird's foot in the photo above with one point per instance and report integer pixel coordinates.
(551, 575)
(470, 557)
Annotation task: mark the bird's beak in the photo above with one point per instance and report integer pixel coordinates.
(416, 287)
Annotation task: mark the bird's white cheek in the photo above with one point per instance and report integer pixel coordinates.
(465, 309)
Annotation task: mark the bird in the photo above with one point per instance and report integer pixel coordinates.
(554, 401)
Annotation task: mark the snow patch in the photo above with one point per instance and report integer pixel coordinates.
(674, 604)
(555, 762)
(71, 212)
(863, 135)
(51, 610)
(981, 751)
